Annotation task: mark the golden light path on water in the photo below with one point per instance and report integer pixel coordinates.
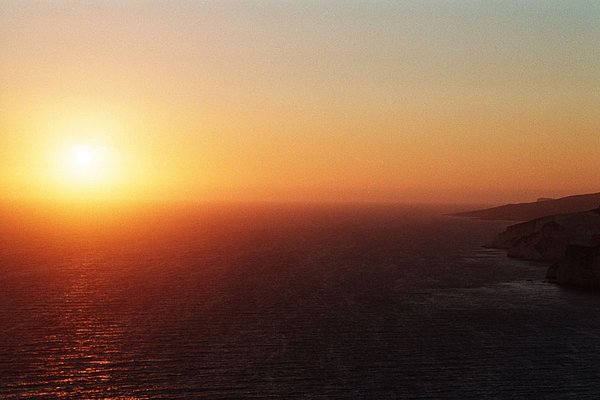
(87, 346)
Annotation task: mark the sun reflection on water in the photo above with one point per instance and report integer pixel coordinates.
(85, 357)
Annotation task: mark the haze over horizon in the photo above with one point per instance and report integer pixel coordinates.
(478, 102)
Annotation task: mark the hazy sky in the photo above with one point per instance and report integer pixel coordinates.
(451, 101)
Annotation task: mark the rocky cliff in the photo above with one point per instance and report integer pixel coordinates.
(570, 241)
(580, 266)
(547, 238)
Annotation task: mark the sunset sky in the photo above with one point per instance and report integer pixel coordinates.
(408, 101)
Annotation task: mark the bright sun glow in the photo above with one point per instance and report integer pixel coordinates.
(86, 159)
(88, 166)
(89, 160)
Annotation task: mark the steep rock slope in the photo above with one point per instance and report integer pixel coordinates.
(547, 238)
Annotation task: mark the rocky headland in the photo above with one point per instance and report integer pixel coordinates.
(564, 232)
(571, 242)
(547, 238)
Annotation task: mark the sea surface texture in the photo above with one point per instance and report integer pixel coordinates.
(282, 302)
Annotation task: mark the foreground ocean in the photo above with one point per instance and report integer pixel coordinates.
(284, 302)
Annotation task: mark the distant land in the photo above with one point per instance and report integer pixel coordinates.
(537, 209)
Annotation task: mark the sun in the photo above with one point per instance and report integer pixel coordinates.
(87, 162)
(85, 157)
(88, 165)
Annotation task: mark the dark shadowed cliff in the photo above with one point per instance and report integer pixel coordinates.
(547, 238)
(570, 241)
(580, 266)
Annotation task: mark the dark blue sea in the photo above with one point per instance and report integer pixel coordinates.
(263, 301)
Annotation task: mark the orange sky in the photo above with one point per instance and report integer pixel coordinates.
(263, 100)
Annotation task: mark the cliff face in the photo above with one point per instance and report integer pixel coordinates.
(580, 266)
(547, 238)
(571, 241)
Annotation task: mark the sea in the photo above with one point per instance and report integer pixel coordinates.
(282, 301)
